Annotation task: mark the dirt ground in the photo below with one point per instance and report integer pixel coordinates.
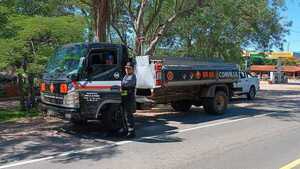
(8, 104)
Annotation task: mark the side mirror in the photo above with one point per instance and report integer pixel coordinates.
(74, 77)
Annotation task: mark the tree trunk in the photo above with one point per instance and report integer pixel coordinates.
(101, 14)
(161, 30)
(139, 27)
(138, 46)
(189, 43)
(22, 97)
(31, 91)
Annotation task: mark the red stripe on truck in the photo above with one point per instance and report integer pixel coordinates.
(94, 87)
(78, 86)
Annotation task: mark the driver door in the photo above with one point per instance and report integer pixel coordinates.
(104, 73)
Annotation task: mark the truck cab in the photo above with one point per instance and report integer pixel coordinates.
(246, 85)
(82, 81)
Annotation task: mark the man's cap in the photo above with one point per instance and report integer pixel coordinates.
(129, 65)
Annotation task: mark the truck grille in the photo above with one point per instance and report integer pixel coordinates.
(53, 98)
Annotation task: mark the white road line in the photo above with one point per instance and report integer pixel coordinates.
(119, 143)
(221, 123)
(27, 162)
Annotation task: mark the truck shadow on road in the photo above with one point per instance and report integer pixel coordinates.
(44, 145)
(153, 126)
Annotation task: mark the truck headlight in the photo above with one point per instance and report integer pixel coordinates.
(42, 97)
(71, 99)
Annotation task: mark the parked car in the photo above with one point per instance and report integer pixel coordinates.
(247, 85)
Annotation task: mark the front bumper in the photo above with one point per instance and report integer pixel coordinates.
(59, 111)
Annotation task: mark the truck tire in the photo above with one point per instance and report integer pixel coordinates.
(218, 104)
(252, 93)
(112, 118)
(181, 106)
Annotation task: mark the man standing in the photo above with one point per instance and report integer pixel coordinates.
(128, 99)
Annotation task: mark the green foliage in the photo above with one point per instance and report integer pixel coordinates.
(222, 28)
(3, 18)
(13, 114)
(219, 29)
(40, 7)
(150, 19)
(2, 93)
(30, 30)
(36, 39)
(6, 28)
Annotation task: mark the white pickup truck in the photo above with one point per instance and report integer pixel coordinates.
(246, 85)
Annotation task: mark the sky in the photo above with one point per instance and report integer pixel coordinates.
(293, 14)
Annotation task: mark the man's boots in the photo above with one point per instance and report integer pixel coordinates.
(131, 134)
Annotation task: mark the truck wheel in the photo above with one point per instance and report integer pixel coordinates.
(218, 104)
(252, 93)
(112, 118)
(181, 106)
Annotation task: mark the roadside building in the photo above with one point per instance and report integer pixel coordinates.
(290, 56)
(261, 57)
(265, 62)
(264, 70)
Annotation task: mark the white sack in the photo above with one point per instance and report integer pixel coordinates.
(145, 73)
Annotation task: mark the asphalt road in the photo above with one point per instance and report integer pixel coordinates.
(260, 134)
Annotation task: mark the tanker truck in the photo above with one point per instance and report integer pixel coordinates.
(82, 82)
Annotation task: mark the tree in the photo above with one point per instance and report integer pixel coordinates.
(101, 14)
(27, 41)
(41, 7)
(150, 20)
(223, 28)
(98, 15)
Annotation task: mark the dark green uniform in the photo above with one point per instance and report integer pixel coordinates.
(128, 101)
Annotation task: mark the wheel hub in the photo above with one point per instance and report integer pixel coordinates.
(220, 102)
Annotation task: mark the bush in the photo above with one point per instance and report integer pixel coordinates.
(12, 114)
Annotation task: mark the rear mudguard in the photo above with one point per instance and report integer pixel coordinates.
(210, 91)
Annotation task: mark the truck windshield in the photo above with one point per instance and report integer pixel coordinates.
(66, 60)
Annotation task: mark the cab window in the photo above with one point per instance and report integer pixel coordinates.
(101, 60)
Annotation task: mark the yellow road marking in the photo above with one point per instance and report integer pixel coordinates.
(291, 164)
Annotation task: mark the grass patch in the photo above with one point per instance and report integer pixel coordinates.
(13, 114)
